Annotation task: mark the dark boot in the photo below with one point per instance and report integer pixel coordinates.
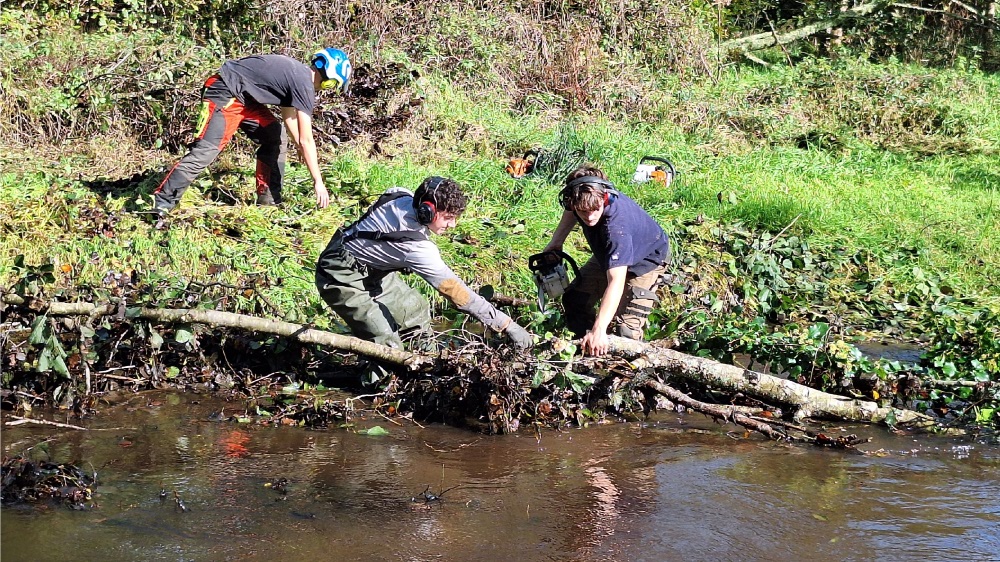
(265, 198)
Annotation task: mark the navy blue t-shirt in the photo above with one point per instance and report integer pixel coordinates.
(271, 80)
(627, 235)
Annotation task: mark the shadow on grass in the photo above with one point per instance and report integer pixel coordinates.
(974, 178)
(138, 188)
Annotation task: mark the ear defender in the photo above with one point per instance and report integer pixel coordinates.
(605, 186)
(426, 211)
(334, 67)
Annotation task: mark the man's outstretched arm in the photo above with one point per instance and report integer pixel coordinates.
(299, 126)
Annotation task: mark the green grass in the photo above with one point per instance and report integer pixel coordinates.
(930, 200)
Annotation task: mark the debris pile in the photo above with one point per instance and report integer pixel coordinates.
(27, 481)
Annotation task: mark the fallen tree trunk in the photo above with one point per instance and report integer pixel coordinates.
(296, 332)
(808, 402)
(769, 428)
(771, 39)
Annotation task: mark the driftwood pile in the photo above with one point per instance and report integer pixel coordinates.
(497, 390)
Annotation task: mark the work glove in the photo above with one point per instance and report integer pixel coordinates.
(521, 338)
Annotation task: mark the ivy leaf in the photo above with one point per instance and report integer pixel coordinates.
(44, 359)
(376, 431)
(890, 418)
(818, 330)
(183, 335)
(39, 331)
(540, 376)
(155, 339)
(949, 369)
(59, 366)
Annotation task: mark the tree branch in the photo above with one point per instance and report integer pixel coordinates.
(771, 39)
(808, 401)
(297, 332)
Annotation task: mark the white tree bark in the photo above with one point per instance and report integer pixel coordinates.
(809, 402)
(770, 39)
(297, 332)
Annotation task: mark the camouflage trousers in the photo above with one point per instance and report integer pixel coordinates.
(581, 298)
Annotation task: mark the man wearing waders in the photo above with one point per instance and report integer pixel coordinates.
(631, 252)
(358, 272)
(236, 98)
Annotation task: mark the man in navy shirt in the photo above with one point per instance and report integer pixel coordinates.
(631, 252)
(237, 98)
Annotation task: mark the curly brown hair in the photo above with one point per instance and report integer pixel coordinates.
(445, 193)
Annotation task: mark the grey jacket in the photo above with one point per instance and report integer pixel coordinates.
(419, 256)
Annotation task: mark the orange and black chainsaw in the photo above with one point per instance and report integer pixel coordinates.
(520, 167)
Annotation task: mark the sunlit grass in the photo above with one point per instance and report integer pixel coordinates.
(939, 212)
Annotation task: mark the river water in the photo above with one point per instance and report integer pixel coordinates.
(676, 487)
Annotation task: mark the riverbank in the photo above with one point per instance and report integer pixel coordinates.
(816, 202)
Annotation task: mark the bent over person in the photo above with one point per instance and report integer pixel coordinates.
(237, 98)
(630, 255)
(358, 274)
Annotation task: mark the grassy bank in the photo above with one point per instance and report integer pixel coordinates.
(939, 212)
(839, 193)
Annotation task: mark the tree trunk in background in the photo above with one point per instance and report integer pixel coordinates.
(769, 39)
(218, 318)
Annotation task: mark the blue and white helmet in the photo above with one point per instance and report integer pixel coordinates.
(335, 68)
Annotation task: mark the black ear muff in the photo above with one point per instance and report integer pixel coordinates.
(605, 186)
(425, 209)
(426, 212)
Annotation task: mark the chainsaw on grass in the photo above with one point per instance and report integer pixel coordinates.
(655, 168)
(520, 167)
(550, 274)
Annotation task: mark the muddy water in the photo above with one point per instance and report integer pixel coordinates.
(674, 488)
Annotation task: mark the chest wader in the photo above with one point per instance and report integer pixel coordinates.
(376, 304)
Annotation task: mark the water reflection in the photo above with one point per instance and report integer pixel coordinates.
(655, 491)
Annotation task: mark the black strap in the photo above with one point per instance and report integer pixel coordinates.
(398, 236)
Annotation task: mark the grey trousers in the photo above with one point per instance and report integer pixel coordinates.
(376, 305)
